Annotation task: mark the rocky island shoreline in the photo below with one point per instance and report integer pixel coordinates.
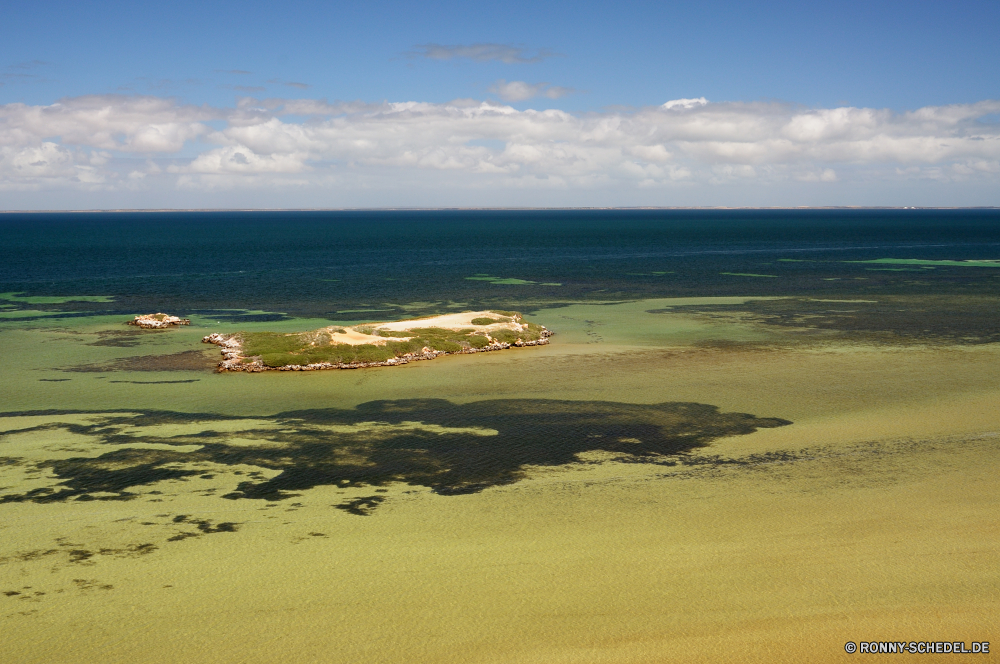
(377, 344)
(157, 321)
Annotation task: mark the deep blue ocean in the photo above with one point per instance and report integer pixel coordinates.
(361, 264)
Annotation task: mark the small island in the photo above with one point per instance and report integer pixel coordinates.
(157, 321)
(377, 344)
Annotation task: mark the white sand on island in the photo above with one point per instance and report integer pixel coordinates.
(351, 336)
(453, 322)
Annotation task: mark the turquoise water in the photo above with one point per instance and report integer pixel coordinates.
(701, 449)
(606, 282)
(268, 266)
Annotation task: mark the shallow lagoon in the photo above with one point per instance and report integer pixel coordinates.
(871, 515)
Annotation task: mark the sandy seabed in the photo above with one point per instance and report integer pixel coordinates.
(873, 516)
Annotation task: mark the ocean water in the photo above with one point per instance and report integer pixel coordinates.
(754, 432)
(366, 265)
(613, 285)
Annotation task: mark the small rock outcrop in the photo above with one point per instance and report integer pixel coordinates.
(157, 321)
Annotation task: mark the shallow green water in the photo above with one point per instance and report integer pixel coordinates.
(145, 496)
(90, 363)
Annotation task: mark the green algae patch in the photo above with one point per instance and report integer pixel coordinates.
(891, 319)
(507, 281)
(510, 281)
(897, 269)
(48, 299)
(187, 360)
(931, 263)
(362, 311)
(749, 274)
(28, 314)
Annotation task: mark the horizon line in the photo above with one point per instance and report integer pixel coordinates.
(526, 208)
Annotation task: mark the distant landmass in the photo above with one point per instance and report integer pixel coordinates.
(623, 207)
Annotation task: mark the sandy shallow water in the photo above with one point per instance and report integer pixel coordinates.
(872, 516)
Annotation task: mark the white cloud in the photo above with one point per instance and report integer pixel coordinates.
(826, 175)
(729, 171)
(685, 103)
(520, 91)
(241, 159)
(107, 122)
(482, 52)
(46, 160)
(654, 153)
(88, 142)
(290, 84)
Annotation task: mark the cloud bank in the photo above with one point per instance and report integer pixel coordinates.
(115, 144)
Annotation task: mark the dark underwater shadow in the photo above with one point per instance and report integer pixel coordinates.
(448, 447)
(188, 360)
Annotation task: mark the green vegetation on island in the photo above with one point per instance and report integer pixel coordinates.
(375, 344)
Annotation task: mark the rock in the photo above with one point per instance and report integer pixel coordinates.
(157, 321)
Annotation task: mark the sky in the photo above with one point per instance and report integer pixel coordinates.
(250, 104)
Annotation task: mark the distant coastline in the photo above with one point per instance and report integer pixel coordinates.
(515, 209)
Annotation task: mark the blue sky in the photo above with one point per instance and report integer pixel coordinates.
(779, 64)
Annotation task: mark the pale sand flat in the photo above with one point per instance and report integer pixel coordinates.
(449, 321)
(782, 565)
(352, 337)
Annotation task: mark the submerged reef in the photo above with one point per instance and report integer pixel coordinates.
(450, 448)
(377, 344)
